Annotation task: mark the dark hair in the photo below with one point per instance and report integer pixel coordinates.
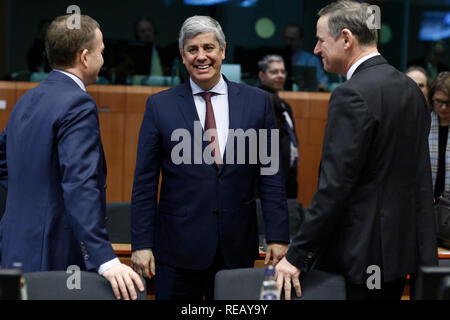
(440, 83)
(62, 43)
(301, 32)
(149, 20)
(350, 15)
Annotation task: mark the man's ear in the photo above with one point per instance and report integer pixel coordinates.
(182, 55)
(261, 76)
(83, 58)
(347, 38)
(223, 51)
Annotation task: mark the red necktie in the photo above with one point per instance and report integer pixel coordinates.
(210, 123)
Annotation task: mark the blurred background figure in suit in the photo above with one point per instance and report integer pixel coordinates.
(293, 37)
(432, 61)
(272, 75)
(36, 56)
(145, 31)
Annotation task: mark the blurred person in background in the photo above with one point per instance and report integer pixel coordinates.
(438, 140)
(419, 75)
(272, 75)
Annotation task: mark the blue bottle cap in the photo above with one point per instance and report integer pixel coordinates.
(270, 271)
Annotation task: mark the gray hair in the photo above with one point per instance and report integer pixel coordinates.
(350, 15)
(200, 24)
(417, 68)
(264, 62)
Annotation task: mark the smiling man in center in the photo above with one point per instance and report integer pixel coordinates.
(205, 220)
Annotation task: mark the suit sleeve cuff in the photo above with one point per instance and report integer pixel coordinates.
(107, 265)
(300, 258)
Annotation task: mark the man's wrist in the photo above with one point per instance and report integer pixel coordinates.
(107, 265)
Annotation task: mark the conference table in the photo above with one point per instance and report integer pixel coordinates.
(123, 251)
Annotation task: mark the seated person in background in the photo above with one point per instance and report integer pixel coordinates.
(36, 57)
(293, 37)
(419, 75)
(272, 75)
(131, 62)
(432, 61)
(145, 31)
(438, 138)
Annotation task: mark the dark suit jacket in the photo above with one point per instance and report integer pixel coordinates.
(374, 202)
(289, 173)
(200, 205)
(52, 162)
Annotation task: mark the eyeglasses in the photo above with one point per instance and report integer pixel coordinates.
(439, 103)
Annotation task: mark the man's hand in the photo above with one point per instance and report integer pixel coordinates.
(143, 262)
(285, 273)
(277, 251)
(122, 279)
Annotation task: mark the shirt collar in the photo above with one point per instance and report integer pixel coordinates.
(358, 63)
(219, 88)
(74, 78)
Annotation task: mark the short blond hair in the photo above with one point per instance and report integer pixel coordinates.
(63, 44)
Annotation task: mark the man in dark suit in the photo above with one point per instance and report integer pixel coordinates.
(52, 163)
(371, 218)
(206, 218)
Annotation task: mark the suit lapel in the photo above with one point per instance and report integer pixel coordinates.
(235, 106)
(235, 113)
(187, 108)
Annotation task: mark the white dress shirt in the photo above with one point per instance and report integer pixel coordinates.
(105, 266)
(219, 103)
(358, 62)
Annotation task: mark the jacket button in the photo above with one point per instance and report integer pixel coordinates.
(215, 212)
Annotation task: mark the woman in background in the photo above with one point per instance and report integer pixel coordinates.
(420, 76)
(438, 139)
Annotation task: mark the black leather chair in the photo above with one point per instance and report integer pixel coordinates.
(54, 285)
(245, 284)
(118, 222)
(444, 262)
(432, 283)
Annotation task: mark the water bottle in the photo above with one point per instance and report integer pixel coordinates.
(23, 284)
(269, 288)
